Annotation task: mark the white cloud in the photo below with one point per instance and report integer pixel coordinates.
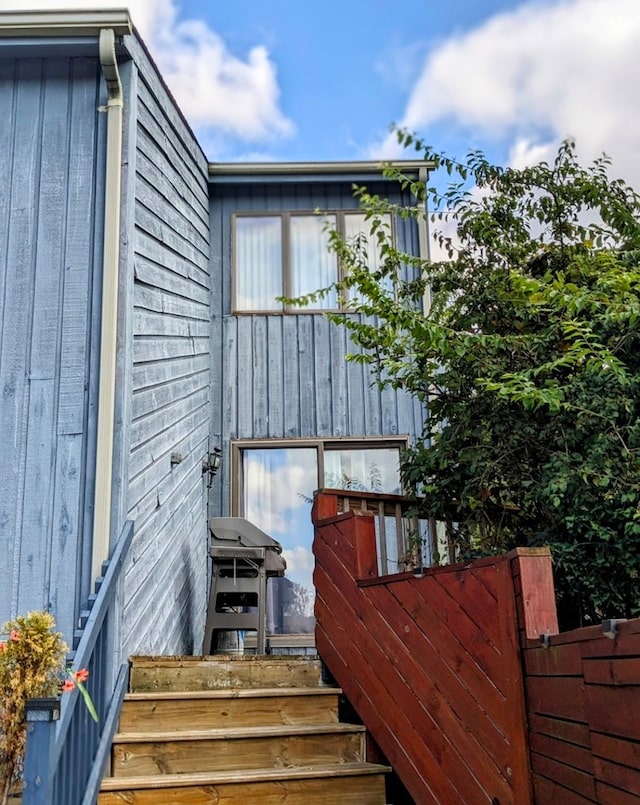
(216, 90)
(538, 74)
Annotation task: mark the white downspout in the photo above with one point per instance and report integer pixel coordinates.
(424, 247)
(108, 332)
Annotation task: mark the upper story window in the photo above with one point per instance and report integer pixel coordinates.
(288, 254)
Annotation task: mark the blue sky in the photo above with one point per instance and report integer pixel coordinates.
(285, 81)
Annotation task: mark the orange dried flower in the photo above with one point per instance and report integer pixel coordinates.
(68, 685)
(82, 675)
(14, 635)
(2, 646)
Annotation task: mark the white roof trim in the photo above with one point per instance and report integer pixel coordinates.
(64, 23)
(280, 168)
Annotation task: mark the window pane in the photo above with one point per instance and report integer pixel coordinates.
(312, 265)
(364, 470)
(355, 226)
(278, 486)
(258, 263)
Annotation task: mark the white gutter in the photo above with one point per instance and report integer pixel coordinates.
(54, 23)
(295, 168)
(108, 333)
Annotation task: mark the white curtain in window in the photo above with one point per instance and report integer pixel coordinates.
(258, 244)
(312, 265)
(356, 225)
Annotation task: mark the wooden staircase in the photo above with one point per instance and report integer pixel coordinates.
(230, 730)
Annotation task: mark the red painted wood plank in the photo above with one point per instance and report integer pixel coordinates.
(568, 731)
(579, 757)
(548, 792)
(610, 671)
(438, 613)
(609, 795)
(575, 780)
(473, 593)
(614, 774)
(614, 710)
(562, 697)
(619, 750)
(563, 660)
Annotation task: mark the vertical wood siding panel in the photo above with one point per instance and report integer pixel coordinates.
(74, 475)
(291, 390)
(43, 357)
(18, 290)
(339, 402)
(260, 372)
(244, 377)
(275, 376)
(322, 371)
(308, 383)
(356, 382)
(36, 132)
(8, 534)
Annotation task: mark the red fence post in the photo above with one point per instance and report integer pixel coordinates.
(535, 594)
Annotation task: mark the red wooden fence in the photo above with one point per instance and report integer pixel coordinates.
(431, 664)
(462, 680)
(583, 694)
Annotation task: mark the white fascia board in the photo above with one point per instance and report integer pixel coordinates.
(307, 168)
(64, 23)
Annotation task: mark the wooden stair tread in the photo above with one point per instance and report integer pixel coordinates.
(224, 733)
(242, 776)
(230, 693)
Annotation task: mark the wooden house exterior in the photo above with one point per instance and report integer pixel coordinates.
(194, 368)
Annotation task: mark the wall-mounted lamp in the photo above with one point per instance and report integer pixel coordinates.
(211, 464)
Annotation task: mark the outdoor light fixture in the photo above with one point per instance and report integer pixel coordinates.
(211, 464)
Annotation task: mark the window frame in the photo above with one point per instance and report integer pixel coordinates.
(285, 232)
(237, 446)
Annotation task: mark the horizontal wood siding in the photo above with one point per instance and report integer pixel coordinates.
(285, 376)
(583, 700)
(430, 664)
(165, 578)
(51, 141)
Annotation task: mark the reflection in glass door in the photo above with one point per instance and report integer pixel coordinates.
(277, 493)
(277, 486)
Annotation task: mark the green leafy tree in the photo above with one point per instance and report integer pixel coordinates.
(527, 357)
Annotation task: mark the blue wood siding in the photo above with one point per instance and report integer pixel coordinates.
(165, 580)
(50, 134)
(285, 376)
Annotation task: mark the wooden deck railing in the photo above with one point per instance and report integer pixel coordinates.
(405, 540)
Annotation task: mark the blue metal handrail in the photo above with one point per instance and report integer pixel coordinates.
(80, 749)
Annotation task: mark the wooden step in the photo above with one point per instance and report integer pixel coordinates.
(210, 673)
(347, 784)
(191, 751)
(213, 709)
